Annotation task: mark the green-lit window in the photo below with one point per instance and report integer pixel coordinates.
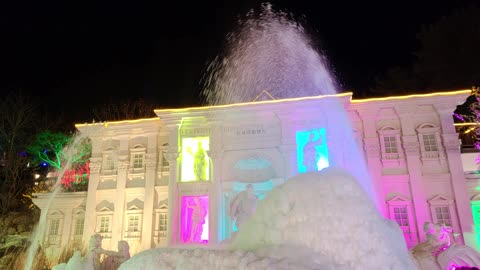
(195, 161)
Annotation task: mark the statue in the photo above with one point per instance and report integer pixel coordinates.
(199, 162)
(243, 206)
(115, 259)
(437, 252)
(310, 153)
(197, 220)
(92, 259)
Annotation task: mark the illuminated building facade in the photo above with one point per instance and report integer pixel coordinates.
(170, 180)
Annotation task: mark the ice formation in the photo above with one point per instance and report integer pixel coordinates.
(316, 220)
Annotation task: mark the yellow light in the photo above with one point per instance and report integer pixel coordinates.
(106, 124)
(466, 124)
(250, 103)
(451, 93)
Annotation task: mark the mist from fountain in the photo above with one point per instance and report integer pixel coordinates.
(273, 52)
(70, 152)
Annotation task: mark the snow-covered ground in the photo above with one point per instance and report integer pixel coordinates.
(318, 220)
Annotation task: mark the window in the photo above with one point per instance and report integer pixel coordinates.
(138, 160)
(54, 227)
(78, 230)
(442, 211)
(401, 216)
(194, 219)
(392, 154)
(442, 214)
(430, 142)
(79, 226)
(133, 223)
(429, 138)
(195, 163)
(400, 210)
(54, 232)
(162, 224)
(104, 224)
(390, 144)
(108, 163)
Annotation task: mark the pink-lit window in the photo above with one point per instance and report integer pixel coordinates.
(194, 219)
(401, 216)
(390, 144)
(442, 215)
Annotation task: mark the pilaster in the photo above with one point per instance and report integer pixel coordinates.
(119, 200)
(90, 207)
(148, 220)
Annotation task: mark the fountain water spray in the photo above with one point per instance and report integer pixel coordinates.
(271, 51)
(70, 152)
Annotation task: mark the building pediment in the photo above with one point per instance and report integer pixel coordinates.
(135, 204)
(163, 204)
(105, 206)
(440, 198)
(398, 199)
(55, 213)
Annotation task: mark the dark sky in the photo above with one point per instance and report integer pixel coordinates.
(72, 55)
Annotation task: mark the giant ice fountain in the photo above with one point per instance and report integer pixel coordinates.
(325, 219)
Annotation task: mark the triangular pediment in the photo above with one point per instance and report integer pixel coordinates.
(135, 204)
(163, 204)
(105, 206)
(475, 198)
(440, 197)
(399, 198)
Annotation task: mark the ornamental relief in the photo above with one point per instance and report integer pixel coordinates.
(412, 147)
(95, 167)
(123, 165)
(171, 156)
(151, 164)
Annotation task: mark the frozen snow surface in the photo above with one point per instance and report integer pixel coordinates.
(317, 220)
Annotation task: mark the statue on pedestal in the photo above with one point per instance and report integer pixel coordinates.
(437, 252)
(243, 206)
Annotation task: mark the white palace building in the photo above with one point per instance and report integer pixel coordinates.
(144, 186)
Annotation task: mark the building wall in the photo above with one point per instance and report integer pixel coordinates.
(138, 180)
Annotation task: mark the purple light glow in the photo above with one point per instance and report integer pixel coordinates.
(194, 219)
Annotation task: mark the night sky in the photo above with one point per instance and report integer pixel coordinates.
(72, 55)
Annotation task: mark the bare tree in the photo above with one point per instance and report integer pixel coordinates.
(124, 110)
(17, 128)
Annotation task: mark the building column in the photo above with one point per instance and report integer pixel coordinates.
(148, 215)
(417, 187)
(172, 155)
(173, 207)
(90, 207)
(215, 199)
(457, 180)
(371, 148)
(119, 200)
(289, 153)
(67, 226)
